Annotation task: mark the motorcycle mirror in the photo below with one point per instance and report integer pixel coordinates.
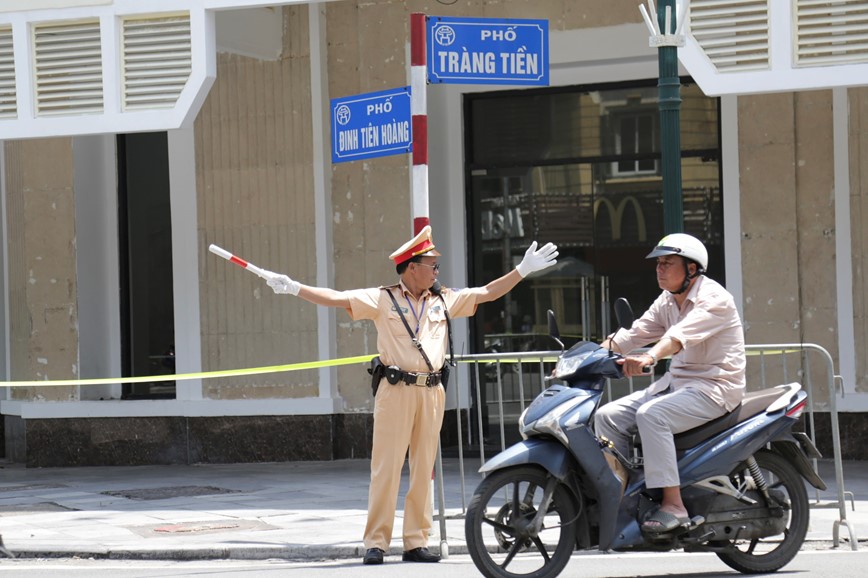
(624, 313)
(554, 333)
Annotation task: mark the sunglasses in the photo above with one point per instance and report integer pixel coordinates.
(435, 266)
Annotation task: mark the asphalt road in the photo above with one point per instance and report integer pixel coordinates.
(841, 563)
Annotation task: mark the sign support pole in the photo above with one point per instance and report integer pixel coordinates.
(419, 112)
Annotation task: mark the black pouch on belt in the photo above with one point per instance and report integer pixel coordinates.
(393, 375)
(444, 375)
(376, 370)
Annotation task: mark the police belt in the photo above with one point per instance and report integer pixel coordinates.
(395, 375)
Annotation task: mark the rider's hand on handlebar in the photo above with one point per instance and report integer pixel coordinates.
(642, 364)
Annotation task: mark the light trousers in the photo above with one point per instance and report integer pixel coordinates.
(405, 417)
(657, 418)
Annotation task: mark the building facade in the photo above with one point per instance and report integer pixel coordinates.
(107, 273)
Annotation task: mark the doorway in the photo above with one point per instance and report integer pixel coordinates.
(145, 243)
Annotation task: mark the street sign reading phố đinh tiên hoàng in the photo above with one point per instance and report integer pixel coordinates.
(371, 125)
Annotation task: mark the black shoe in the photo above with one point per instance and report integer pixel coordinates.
(373, 556)
(420, 555)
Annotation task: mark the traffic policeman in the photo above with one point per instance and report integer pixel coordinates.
(411, 322)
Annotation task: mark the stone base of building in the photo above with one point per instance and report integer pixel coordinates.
(853, 431)
(134, 441)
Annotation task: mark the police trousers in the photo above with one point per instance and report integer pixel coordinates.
(406, 417)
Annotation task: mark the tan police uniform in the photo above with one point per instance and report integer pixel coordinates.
(406, 417)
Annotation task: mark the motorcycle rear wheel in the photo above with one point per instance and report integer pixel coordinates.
(759, 556)
(499, 541)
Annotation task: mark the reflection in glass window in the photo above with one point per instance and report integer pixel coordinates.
(634, 133)
(581, 167)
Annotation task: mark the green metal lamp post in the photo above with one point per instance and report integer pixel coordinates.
(666, 37)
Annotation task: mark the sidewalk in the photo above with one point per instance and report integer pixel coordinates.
(311, 510)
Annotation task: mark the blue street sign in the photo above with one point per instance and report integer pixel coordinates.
(488, 51)
(371, 125)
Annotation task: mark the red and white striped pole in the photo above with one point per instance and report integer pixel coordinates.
(419, 111)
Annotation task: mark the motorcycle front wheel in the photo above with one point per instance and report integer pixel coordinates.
(500, 533)
(759, 556)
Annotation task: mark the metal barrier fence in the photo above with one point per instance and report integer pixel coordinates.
(508, 382)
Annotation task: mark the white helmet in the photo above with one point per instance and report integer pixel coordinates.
(683, 245)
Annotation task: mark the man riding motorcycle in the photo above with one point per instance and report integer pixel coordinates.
(695, 321)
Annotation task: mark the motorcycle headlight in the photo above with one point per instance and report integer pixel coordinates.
(550, 422)
(521, 428)
(567, 365)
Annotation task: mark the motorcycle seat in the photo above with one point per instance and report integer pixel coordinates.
(752, 404)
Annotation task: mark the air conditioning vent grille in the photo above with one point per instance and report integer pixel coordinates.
(68, 68)
(157, 61)
(732, 33)
(830, 33)
(8, 95)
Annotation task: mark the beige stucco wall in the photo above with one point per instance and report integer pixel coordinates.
(254, 175)
(788, 223)
(40, 225)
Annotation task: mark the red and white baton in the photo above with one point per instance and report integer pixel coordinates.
(240, 262)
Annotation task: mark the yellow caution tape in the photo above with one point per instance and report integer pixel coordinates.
(752, 353)
(200, 375)
(278, 369)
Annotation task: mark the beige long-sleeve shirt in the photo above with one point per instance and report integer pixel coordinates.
(710, 331)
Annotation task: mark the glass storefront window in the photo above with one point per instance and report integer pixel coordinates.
(580, 167)
(604, 227)
(599, 199)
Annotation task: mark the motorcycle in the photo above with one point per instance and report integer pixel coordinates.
(561, 488)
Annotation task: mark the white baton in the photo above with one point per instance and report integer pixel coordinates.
(239, 261)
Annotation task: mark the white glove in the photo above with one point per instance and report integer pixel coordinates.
(281, 284)
(537, 259)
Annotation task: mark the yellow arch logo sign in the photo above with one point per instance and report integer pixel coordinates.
(616, 215)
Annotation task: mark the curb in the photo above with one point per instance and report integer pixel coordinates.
(204, 553)
(209, 553)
